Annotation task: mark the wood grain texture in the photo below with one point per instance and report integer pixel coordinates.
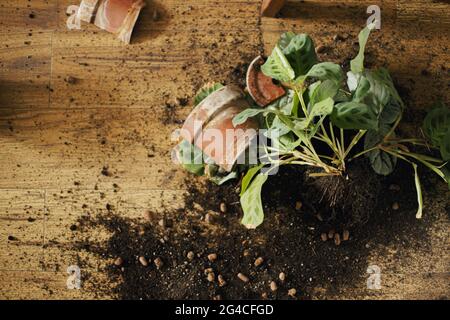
(73, 103)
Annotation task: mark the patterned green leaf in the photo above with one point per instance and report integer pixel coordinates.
(319, 91)
(278, 67)
(357, 64)
(354, 115)
(299, 51)
(251, 203)
(322, 108)
(249, 176)
(191, 158)
(205, 92)
(326, 71)
(436, 124)
(382, 162)
(445, 146)
(244, 115)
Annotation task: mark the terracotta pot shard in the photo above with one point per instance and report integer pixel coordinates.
(261, 87)
(210, 127)
(115, 16)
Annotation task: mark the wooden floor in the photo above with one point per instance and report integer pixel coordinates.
(56, 136)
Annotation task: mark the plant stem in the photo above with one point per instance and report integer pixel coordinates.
(354, 142)
(391, 131)
(363, 152)
(302, 101)
(424, 162)
(416, 180)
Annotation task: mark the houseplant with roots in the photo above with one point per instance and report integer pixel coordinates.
(328, 121)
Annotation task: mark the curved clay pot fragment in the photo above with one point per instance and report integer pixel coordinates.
(214, 115)
(261, 87)
(115, 16)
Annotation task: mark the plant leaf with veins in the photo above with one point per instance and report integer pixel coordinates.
(357, 64)
(278, 67)
(299, 51)
(251, 203)
(205, 92)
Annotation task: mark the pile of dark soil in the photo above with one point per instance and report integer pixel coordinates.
(289, 241)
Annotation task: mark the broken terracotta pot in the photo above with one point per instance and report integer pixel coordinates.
(210, 127)
(261, 87)
(115, 16)
(270, 8)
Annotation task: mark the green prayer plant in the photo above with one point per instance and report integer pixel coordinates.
(325, 106)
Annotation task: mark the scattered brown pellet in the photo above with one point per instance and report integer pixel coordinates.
(246, 253)
(209, 218)
(337, 239)
(158, 263)
(190, 255)
(174, 102)
(345, 235)
(147, 215)
(208, 270)
(282, 276)
(70, 80)
(243, 277)
(105, 171)
(212, 257)
(324, 236)
(331, 234)
(292, 292)
(394, 187)
(395, 206)
(259, 261)
(321, 49)
(298, 205)
(273, 286)
(221, 280)
(223, 207)
(211, 277)
(264, 295)
(118, 262)
(143, 261)
(218, 297)
(338, 37)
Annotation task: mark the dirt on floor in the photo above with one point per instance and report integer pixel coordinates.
(201, 252)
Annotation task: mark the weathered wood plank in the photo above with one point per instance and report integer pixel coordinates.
(21, 16)
(73, 147)
(22, 215)
(149, 74)
(25, 65)
(424, 13)
(43, 285)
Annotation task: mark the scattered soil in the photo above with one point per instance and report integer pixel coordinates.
(349, 199)
(289, 241)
